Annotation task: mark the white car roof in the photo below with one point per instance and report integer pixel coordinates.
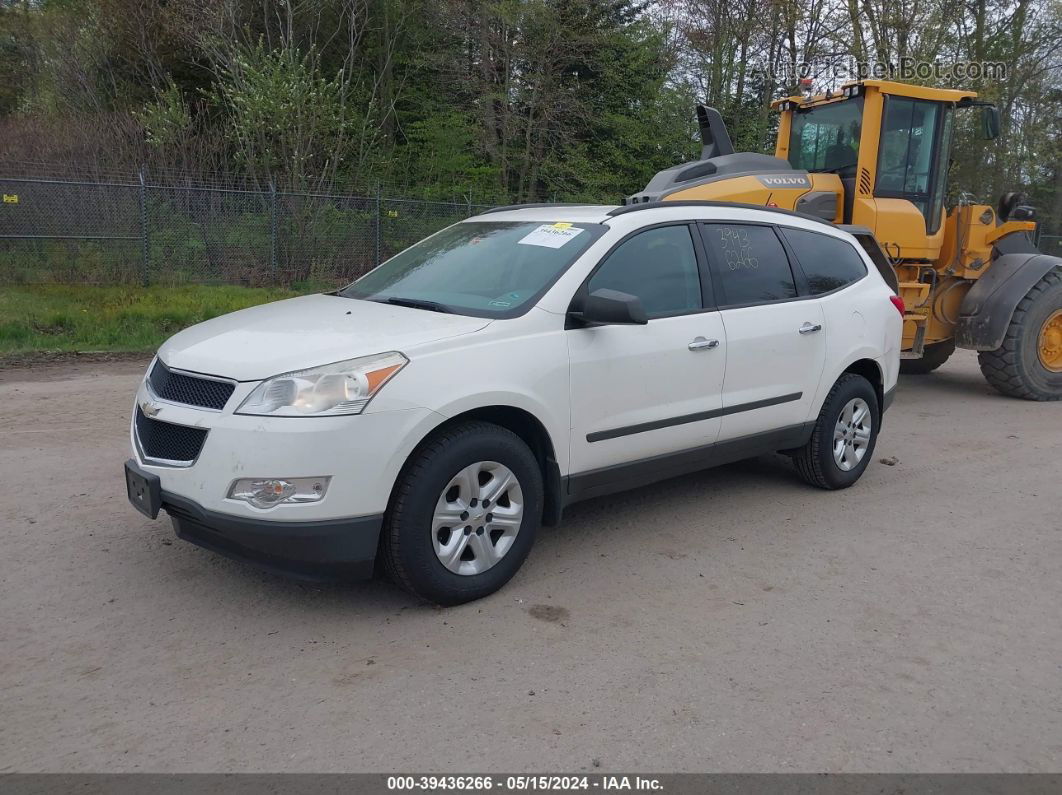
(655, 212)
(648, 214)
(576, 213)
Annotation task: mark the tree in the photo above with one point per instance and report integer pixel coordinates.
(498, 99)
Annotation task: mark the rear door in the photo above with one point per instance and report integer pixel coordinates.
(641, 391)
(776, 333)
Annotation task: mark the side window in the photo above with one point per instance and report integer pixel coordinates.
(657, 265)
(829, 262)
(750, 262)
(906, 151)
(906, 154)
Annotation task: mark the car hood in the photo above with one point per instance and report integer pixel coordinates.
(297, 333)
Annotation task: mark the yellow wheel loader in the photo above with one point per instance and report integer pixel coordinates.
(873, 158)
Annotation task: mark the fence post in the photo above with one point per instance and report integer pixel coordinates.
(468, 211)
(144, 241)
(273, 229)
(379, 219)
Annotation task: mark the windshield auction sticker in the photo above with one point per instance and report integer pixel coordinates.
(550, 235)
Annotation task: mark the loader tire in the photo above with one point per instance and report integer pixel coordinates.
(933, 357)
(1027, 364)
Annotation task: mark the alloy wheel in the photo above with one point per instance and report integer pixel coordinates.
(851, 435)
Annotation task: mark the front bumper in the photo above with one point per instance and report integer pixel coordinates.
(343, 549)
(336, 549)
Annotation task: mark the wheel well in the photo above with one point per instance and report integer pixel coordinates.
(527, 426)
(871, 371)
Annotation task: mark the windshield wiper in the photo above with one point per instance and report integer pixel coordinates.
(418, 303)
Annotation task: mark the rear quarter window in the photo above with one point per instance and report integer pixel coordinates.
(828, 262)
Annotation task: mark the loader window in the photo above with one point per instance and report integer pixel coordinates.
(826, 138)
(909, 161)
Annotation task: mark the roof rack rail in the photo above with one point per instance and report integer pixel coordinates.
(632, 208)
(531, 206)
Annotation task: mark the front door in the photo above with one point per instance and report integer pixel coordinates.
(643, 391)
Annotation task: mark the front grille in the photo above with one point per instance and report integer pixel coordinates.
(180, 388)
(167, 441)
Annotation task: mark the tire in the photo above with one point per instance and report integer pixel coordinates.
(932, 357)
(816, 461)
(1016, 368)
(442, 474)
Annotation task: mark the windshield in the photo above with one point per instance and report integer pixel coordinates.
(482, 268)
(826, 138)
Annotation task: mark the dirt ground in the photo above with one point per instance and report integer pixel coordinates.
(733, 620)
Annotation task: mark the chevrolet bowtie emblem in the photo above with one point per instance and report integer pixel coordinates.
(150, 409)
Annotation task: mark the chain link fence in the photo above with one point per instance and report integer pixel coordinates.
(1050, 244)
(70, 231)
(135, 232)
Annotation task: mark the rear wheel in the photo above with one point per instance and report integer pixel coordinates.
(464, 514)
(842, 444)
(933, 357)
(1029, 362)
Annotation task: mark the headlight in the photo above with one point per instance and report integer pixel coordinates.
(340, 388)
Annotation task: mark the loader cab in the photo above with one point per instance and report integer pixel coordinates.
(890, 145)
(913, 147)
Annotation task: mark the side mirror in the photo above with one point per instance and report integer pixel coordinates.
(990, 122)
(610, 307)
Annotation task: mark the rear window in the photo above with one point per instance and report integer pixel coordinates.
(750, 263)
(482, 268)
(829, 262)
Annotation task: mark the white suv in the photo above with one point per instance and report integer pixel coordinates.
(434, 413)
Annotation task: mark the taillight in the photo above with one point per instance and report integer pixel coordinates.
(898, 303)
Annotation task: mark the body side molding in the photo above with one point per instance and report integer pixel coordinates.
(655, 425)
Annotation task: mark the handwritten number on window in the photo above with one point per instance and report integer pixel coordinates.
(736, 248)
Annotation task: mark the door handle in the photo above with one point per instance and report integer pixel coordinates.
(701, 344)
(810, 328)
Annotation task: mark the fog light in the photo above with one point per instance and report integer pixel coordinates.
(267, 492)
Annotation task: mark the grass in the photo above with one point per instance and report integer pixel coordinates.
(80, 318)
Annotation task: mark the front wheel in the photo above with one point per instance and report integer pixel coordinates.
(842, 444)
(464, 514)
(1029, 363)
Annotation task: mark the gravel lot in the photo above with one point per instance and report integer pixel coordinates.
(732, 620)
